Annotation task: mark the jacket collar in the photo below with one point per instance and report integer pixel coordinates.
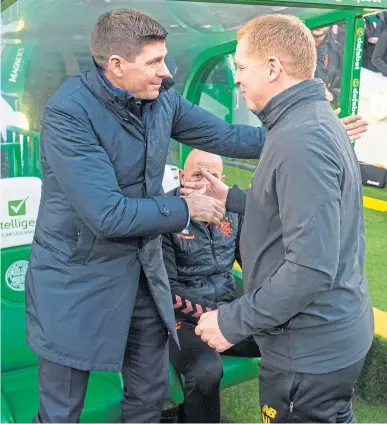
(292, 98)
(123, 95)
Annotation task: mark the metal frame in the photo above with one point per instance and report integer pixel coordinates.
(365, 6)
(318, 4)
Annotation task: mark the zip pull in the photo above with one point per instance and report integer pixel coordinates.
(291, 407)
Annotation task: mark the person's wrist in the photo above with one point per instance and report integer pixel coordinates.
(226, 195)
(185, 229)
(188, 206)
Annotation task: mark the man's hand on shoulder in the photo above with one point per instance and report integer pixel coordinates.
(354, 125)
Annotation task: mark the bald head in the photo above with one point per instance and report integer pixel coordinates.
(198, 159)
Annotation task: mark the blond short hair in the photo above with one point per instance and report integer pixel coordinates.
(285, 37)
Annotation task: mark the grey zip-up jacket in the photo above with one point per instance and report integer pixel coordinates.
(302, 244)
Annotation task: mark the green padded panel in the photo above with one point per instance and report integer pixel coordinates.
(15, 352)
(238, 276)
(20, 392)
(176, 394)
(20, 397)
(237, 370)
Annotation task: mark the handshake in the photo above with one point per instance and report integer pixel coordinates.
(206, 199)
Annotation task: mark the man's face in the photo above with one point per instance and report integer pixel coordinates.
(143, 76)
(320, 33)
(251, 76)
(198, 159)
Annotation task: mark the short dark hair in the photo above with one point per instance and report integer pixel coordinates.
(123, 32)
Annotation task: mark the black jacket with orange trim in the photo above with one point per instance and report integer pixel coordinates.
(199, 262)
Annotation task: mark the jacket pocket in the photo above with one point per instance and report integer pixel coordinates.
(295, 391)
(84, 246)
(280, 329)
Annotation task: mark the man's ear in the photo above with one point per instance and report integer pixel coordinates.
(274, 68)
(181, 177)
(115, 65)
(222, 178)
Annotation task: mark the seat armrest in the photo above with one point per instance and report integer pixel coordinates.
(238, 278)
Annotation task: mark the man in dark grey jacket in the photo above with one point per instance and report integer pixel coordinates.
(306, 296)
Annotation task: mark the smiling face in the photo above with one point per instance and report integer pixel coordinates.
(130, 48)
(251, 76)
(143, 76)
(274, 52)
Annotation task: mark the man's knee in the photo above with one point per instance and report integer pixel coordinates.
(206, 373)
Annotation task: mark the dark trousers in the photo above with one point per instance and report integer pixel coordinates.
(292, 397)
(202, 369)
(145, 373)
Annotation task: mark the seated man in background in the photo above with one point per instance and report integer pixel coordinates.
(329, 62)
(198, 262)
(379, 57)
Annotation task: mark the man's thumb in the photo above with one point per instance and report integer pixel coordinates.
(203, 317)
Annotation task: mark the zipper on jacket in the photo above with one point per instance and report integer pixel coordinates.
(295, 390)
(212, 247)
(144, 188)
(135, 118)
(207, 229)
(213, 254)
(216, 265)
